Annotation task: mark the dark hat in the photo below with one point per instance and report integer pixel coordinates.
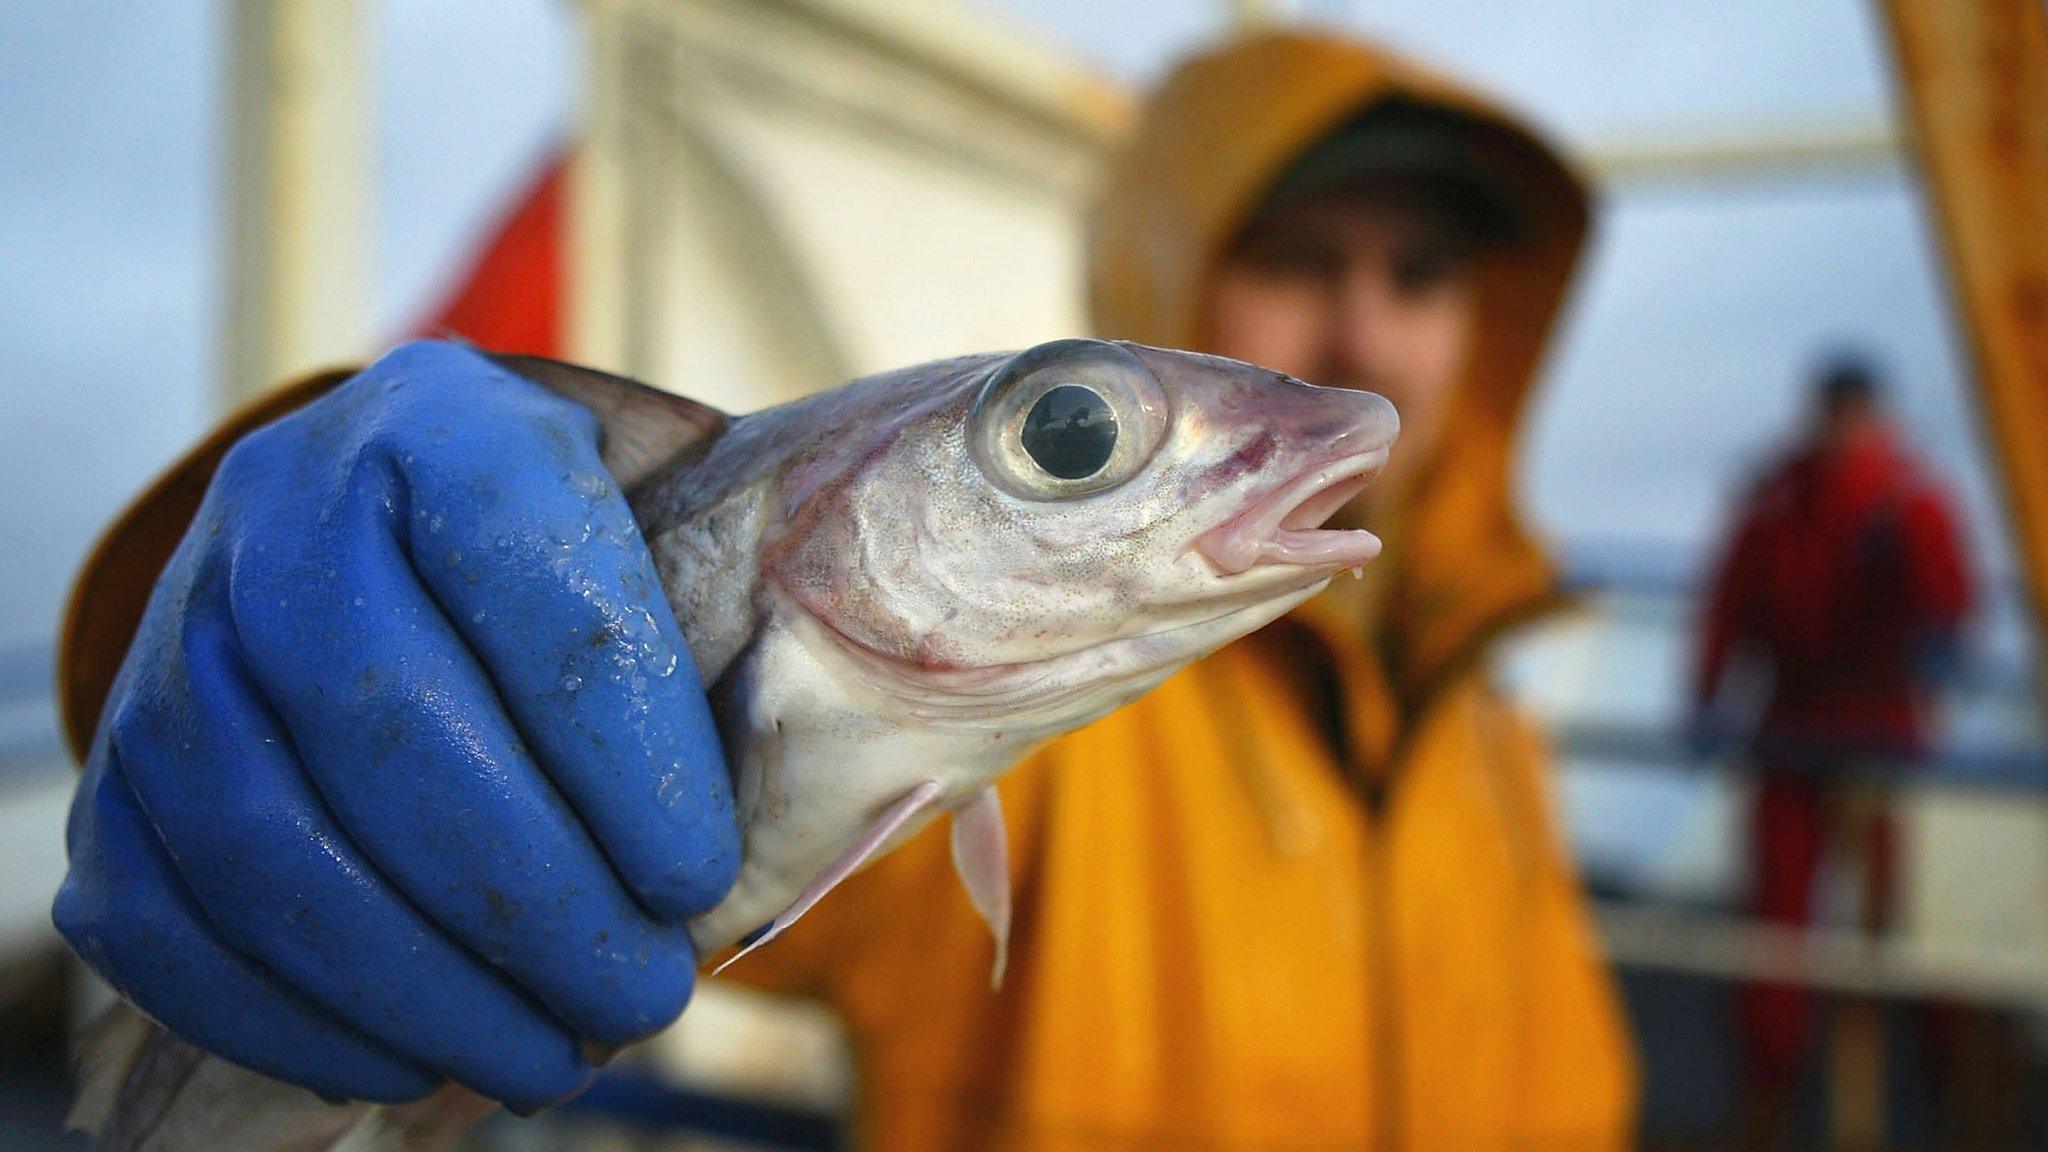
(1848, 377)
(1407, 141)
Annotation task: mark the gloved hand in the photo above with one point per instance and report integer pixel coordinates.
(408, 774)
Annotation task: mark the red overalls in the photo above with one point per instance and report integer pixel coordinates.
(1846, 570)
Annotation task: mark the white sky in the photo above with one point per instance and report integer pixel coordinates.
(1701, 305)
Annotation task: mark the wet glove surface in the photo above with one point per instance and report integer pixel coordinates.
(408, 775)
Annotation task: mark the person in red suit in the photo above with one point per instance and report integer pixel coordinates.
(1846, 584)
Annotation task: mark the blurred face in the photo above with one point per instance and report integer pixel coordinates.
(1847, 419)
(1365, 290)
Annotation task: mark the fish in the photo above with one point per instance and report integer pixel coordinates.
(895, 589)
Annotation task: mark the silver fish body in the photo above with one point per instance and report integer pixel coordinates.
(896, 589)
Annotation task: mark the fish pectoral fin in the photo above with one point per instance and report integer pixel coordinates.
(892, 818)
(981, 855)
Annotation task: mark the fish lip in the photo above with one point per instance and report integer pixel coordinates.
(1283, 527)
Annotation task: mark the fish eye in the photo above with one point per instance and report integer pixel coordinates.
(1067, 419)
(1070, 432)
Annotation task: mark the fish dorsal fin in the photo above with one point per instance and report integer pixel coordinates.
(895, 816)
(981, 855)
(645, 429)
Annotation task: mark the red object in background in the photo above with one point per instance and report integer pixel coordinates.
(1847, 563)
(1795, 817)
(511, 299)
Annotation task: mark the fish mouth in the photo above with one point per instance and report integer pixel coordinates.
(1284, 526)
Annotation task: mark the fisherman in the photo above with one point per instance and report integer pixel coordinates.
(1846, 583)
(1308, 894)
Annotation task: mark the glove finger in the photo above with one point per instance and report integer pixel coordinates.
(552, 585)
(406, 740)
(126, 912)
(284, 885)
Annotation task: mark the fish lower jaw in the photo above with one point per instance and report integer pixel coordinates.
(1320, 548)
(1284, 527)
(1011, 706)
(1081, 687)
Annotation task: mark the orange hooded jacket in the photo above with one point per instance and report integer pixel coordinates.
(1229, 934)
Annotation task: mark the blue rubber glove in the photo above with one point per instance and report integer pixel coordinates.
(408, 775)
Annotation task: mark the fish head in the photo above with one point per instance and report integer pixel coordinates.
(1030, 540)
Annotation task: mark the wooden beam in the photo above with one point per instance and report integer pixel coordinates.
(298, 188)
(601, 257)
(1748, 154)
(1973, 77)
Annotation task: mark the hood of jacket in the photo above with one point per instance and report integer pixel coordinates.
(1460, 563)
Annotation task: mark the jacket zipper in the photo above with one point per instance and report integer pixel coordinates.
(1382, 982)
(1375, 792)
